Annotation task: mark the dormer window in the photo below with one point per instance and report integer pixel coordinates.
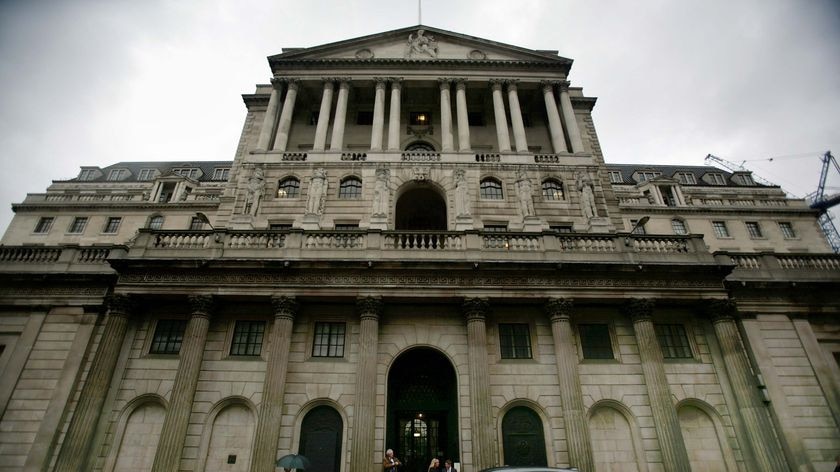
(743, 179)
(669, 197)
(87, 174)
(615, 177)
(146, 174)
(117, 174)
(644, 176)
(716, 178)
(686, 178)
(189, 172)
(221, 173)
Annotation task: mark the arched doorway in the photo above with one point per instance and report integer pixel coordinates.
(523, 439)
(420, 208)
(320, 439)
(422, 409)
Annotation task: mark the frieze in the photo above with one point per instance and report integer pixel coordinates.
(355, 279)
(39, 292)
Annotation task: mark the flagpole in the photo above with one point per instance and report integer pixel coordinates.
(419, 12)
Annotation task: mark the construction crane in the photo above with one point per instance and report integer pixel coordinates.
(821, 202)
(733, 167)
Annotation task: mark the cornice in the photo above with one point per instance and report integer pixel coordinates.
(191, 205)
(419, 63)
(751, 211)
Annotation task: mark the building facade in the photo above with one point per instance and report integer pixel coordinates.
(418, 245)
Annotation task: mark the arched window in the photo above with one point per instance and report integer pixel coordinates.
(522, 437)
(420, 146)
(288, 188)
(351, 187)
(156, 222)
(552, 190)
(678, 226)
(491, 189)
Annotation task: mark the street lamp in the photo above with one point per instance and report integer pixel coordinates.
(642, 221)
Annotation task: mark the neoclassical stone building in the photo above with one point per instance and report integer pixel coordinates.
(418, 245)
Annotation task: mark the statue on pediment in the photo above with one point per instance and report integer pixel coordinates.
(421, 45)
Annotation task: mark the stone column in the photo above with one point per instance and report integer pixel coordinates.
(463, 115)
(378, 114)
(574, 413)
(501, 119)
(671, 443)
(77, 442)
(271, 407)
(337, 142)
(484, 443)
(569, 117)
(445, 116)
(323, 117)
(267, 130)
(766, 448)
(285, 124)
(558, 141)
(394, 119)
(364, 413)
(174, 431)
(516, 118)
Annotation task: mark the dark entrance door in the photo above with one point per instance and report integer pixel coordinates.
(523, 438)
(422, 409)
(420, 209)
(320, 439)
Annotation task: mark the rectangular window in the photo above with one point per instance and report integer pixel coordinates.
(247, 338)
(112, 225)
(498, 228)
(716, 178)
(87, 174)
(346, 226)
(668, 196)
(169, 334)
(78, 225)
(189, 172)
(673, 341)
(44, 225)
(146, 174)
(678, 226)
(566, 228)
(196, 224)
(117, 174)
(787, 230)
(648, 175)
(475, 118)
(615, 177)
(754, 229)
(364, 118)
(280, 226)
(686, 178)
(515, 341)
(419, 118)
(595, 341)
(221, 173)
(329, 340)
(720, 229)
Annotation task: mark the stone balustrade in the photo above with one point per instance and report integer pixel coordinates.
(58, 259)
(769, 266)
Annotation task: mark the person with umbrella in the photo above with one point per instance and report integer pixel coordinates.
(293, 461)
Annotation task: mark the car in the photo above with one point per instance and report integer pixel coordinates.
(527, 468)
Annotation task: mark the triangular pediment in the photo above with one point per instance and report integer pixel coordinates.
(420, 43)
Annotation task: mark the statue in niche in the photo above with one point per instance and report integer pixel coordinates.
(381, 193)
(587, 196)
(462, 197)
(317, 192)
(421, 45)
(524, 191)
(256, 189)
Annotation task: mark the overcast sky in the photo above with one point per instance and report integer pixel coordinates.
(97, 82)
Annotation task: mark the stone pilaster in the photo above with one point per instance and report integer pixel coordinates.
(271, 407)
(671, 443)
(555, 127)
(378, 114)
(516, 118)
(484, 444)
(364, 413)
(174, 431)
(285, 124)
(463, 115)
(394, 118)
(766, 448)
(502, 135)
(445, 116)
(337, 141)
(323, 116)
(569, 117)
(270, 119)
(77, 442)
(574, 414)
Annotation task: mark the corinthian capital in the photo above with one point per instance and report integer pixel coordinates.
(564, 85)
(559, 309)
(720, 309)
(369, 307)
(120, 304)
(201, 304)
(475, 309)
(639, 309)
(284, 306)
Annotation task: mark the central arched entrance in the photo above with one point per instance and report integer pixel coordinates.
(420, 209)
(422, 409)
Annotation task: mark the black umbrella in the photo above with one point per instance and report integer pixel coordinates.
(293, 461)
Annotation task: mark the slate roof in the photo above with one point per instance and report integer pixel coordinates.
(670, 171)
(164, 168)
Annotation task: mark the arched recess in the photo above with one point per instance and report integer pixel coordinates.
(322, 438)
(705, 437)
(229, 431)
(523, 437)
(422, 408)
(137, 433)
(420, 146)
(616, 438)
(420, 207)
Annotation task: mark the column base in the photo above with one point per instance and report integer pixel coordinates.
(311, 221)
(463, 223)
